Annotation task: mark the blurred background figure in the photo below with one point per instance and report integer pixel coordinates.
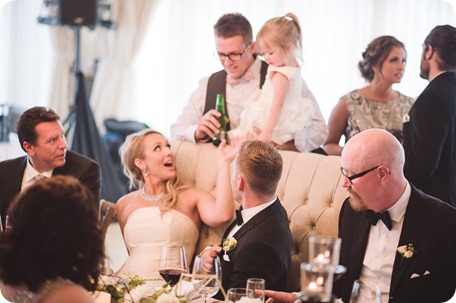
(430, 130)
(376, 105)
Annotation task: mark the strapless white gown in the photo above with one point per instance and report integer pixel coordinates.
(147, 231)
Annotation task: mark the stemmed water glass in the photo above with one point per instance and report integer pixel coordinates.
(207, 277)
(173, 263)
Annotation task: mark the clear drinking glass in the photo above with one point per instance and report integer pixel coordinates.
(257, 286)
(361, 293)
(236, 294)
(207, 276)
(173, 263)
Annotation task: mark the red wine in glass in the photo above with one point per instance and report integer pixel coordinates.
(171, 275)
(173, 263)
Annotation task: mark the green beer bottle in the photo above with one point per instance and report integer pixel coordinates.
(220, 107)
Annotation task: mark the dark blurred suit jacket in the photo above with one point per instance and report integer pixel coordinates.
(430, 139)
(76, 165)
(430, 225)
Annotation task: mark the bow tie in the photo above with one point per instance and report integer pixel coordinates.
(244, 78)
(373, 218)
(239, 220)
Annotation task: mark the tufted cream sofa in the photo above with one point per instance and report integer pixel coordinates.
(310, 190)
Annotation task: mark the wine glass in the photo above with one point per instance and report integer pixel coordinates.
(207, 277)
(173, 263)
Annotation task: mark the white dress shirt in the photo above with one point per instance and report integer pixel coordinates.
(236, 97)
(30, 175)
(381, 251)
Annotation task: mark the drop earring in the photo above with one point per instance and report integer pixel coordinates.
(146, 172)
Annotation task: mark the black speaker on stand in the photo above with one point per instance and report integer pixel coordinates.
(78, 13)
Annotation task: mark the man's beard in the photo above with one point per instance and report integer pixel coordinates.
(424, 67)
(356, 202)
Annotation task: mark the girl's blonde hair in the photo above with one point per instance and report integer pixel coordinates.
(132, 149)
(280, 31)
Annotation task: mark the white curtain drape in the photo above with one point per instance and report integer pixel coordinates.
(62, 84)
(113, 89)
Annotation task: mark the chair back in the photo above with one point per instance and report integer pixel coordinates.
(106, 214)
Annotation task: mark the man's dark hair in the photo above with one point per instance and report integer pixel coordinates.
(443, 39)
(30, 119)
(234, 24)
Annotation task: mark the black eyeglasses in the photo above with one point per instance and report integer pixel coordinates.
(231, 56)
(351, 178)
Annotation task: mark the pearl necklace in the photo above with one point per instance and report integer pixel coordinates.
(151, 199)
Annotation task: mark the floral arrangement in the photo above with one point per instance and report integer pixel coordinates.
(136, 290)
(406, 250)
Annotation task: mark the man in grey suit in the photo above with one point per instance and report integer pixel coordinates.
(42, 137)
(430, 129)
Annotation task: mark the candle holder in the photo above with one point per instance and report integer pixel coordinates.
(324, 249)
(316, 282)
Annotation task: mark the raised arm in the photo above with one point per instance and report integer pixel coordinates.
(220, 211)
(336, 125)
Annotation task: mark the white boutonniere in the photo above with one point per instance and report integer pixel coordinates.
(228, 245)
(406, 251)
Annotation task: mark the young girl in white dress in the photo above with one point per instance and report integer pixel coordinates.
(278, 109)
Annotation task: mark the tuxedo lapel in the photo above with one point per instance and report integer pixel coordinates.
(358, 250)
(227, 231)
(258, 218)
(412, 232)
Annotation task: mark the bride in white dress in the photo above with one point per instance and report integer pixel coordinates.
(161, 212)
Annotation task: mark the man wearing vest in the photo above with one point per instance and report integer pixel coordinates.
(243, 73)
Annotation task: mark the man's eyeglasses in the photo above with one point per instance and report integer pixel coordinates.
(232, 56)
(351, 178)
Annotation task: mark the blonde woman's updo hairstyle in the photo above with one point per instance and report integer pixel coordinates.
(280, 31)
(376, 53)
(132, 149)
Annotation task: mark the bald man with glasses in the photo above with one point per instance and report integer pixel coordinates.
(394, 236)
(243, 73)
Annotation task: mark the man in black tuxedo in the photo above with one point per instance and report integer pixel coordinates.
(262, 233)
(393, 234)
(42, 137)
(410, 252)
(430, 129)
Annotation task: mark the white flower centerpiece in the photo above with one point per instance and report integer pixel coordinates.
(135, 290)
